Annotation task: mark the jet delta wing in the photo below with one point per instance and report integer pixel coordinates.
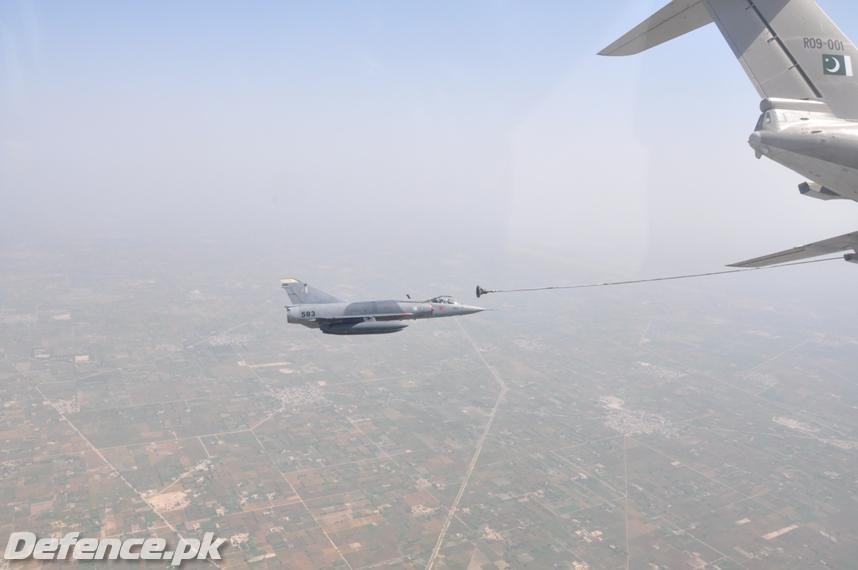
(802, 66)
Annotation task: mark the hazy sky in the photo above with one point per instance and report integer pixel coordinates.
(484, 125)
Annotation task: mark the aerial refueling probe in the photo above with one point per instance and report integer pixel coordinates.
(481, 291)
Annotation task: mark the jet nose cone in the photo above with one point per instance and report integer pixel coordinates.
(470, 309)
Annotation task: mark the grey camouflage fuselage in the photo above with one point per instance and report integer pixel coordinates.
(318, 310)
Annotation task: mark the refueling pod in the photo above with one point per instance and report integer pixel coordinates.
(818, 191)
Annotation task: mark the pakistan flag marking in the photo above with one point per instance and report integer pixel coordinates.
(837, 65)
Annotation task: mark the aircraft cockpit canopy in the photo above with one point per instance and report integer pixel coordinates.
(444, 300)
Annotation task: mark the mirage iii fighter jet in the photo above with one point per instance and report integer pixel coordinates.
(316, 309)
(805, 69)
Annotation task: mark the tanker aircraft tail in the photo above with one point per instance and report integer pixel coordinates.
(804, 68)
(790, 49)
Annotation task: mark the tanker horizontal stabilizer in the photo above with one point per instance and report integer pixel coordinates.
(848, 242)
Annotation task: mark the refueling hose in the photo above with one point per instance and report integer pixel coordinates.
(481, 291)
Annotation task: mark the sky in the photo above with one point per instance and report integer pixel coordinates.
(483, 126)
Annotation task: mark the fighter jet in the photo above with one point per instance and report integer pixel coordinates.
(318, 310)
(802, 65)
